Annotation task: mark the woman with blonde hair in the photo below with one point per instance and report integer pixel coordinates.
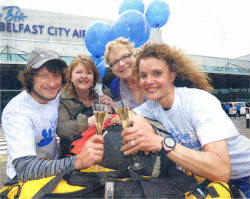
(120, 56)
(201, 138)
(75, 109)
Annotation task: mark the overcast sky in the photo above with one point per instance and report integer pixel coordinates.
(218, 28)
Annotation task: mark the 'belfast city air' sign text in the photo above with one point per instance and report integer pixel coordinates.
(12, 21)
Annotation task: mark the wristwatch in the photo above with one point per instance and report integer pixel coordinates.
(168, 144)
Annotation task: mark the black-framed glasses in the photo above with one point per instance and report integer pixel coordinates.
(124, 58)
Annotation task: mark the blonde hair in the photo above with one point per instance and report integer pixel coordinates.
(89, 64)
(120, 43)
(187, 70)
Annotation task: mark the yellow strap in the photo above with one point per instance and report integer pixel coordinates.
(14, 190)
(30, 188)
(97, 168)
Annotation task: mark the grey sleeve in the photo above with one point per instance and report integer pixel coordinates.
(32, 168)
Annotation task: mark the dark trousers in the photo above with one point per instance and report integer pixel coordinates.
(243, 184)
(238, 113)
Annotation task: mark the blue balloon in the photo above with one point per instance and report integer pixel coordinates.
(157, 13)
(101, 67)
(98, 34)
(131, 5)
(147, 33)
(96, 60)
(131, 25)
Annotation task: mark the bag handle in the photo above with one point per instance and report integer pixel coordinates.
(49, 187)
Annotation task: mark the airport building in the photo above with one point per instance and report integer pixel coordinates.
(230, 77)
(22, 30)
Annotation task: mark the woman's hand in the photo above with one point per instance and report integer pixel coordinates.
(91, 121)
(140, 137)
(212, 163)
(91, 153)
(115, 120)
(104, 99)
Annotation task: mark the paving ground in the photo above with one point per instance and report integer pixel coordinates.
(240, 123)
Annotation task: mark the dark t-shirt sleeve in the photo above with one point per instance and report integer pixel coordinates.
(108, 77)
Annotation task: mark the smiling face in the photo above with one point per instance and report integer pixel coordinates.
(157, 81)
(82, 77)
(46, 85)
(121, 62)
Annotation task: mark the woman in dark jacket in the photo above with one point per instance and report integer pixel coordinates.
(75, 109)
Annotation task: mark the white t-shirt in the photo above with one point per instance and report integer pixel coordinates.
(30, 129)
(196, 119)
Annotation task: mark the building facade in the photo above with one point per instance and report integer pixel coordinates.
(22, 30)
(230, 77)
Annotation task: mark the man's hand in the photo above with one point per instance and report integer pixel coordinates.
(91, 153)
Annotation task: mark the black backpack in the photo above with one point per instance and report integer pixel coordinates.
(158, 178)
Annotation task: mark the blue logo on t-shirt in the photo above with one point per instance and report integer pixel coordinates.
(53, 123)
(185, 139)
(47, 138)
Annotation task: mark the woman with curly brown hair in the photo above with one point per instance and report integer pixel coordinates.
(202, 139)
(77, 97)
(188, 72)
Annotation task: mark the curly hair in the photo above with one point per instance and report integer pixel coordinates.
(26, 76)
(119, 43)
(187, 70)
(89, 64)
